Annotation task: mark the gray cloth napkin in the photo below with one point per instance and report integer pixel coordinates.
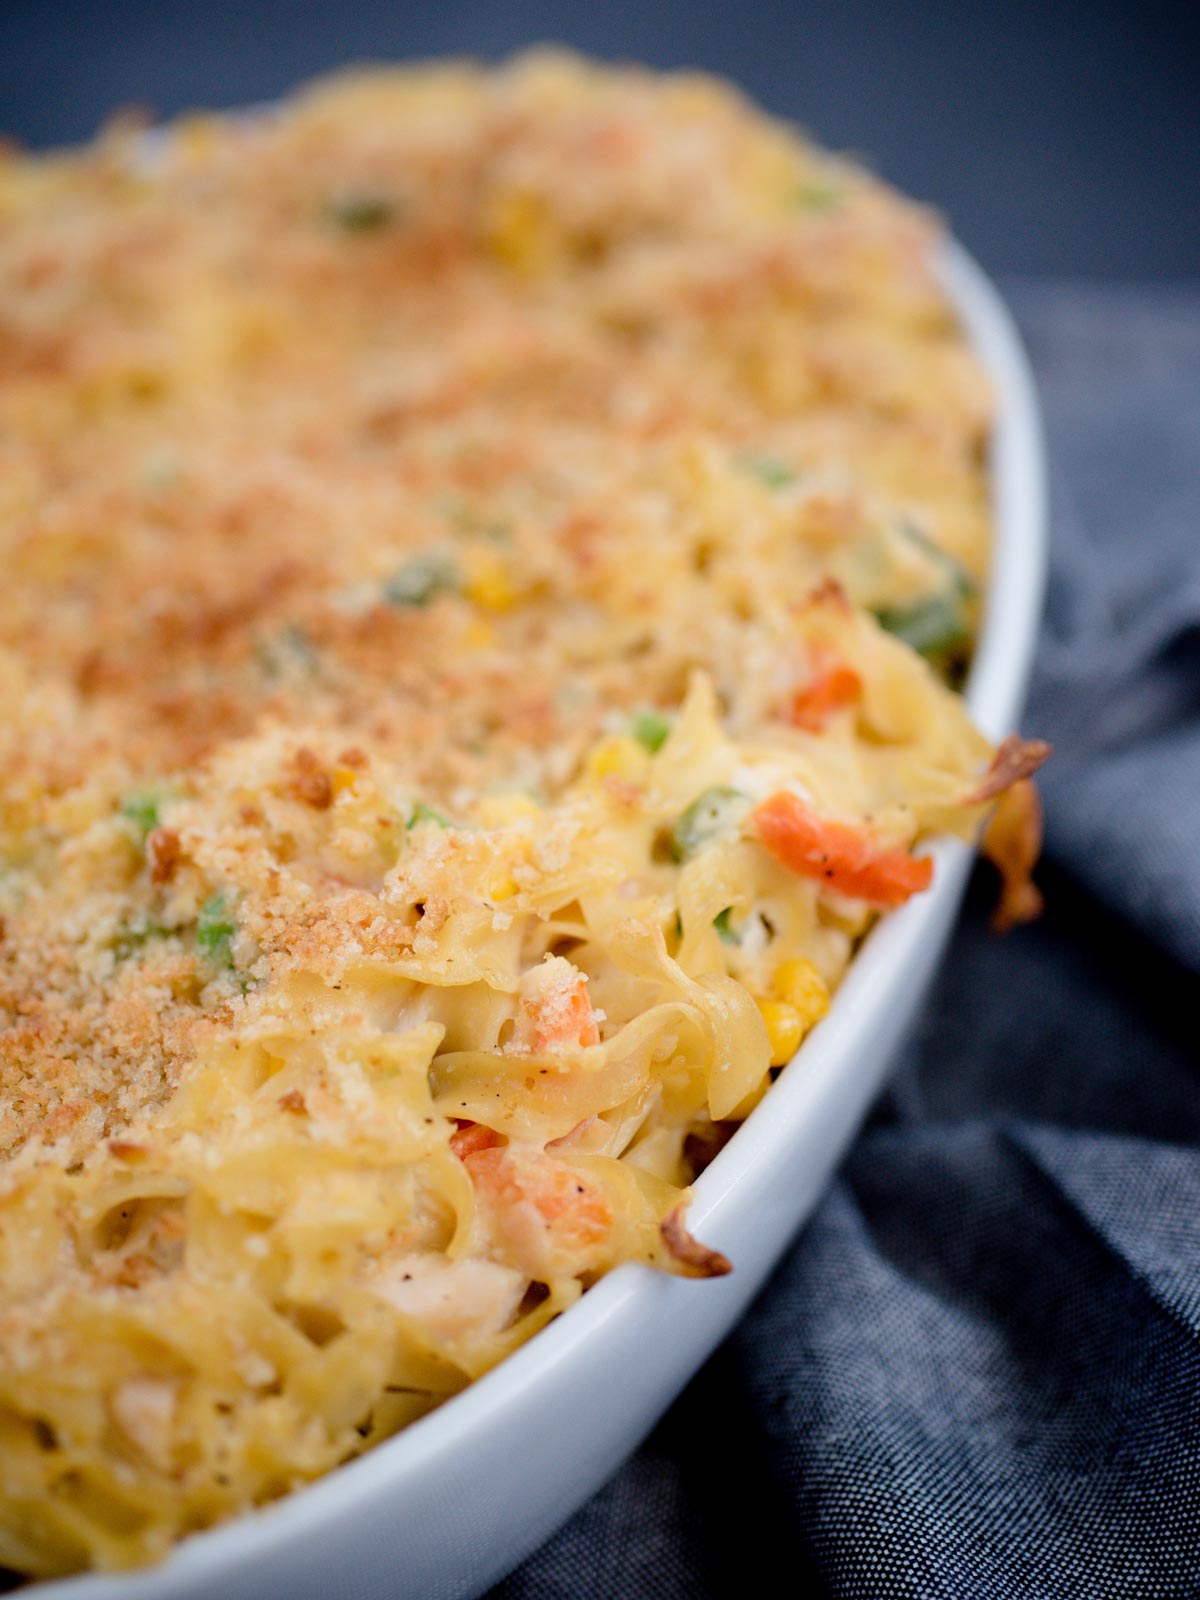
(977, 1375)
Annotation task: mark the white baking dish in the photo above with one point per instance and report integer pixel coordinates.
(451, 1504)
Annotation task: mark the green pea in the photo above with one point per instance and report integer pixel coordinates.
(651, 730)
(768, 469)
(215, 929)
(421, 580)
(819, 197)
(708, 815)
(141, 811)
(134, 934)
(363, 213)
(936, 628)
(289, 651)
(423, 813)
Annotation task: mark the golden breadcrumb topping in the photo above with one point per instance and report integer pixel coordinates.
(477, 549)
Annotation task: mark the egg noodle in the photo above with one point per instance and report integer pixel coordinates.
(486, 557)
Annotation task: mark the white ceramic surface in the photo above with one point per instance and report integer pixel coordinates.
(451, 1504)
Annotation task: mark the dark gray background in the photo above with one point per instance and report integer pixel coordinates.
(1060, 136)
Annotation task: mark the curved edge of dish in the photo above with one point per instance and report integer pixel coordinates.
(749, 1202)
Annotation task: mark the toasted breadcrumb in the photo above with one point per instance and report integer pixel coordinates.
(415, 504)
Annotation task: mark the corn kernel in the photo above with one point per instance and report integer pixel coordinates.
(785, 1029)
(503, 888)
(521, 234)
(494, 593)
(488, 583)
(699, 461)
(799, 983)
(479, 635)
(502, 810)
(619, 757)
(343, 778)
(197, 136)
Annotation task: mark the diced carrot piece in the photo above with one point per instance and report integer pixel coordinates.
(575, 1211)
(841, 857)
(470, 1137)
(556, 1010)
(570, 1204)
(832, 689)
(574, 1024)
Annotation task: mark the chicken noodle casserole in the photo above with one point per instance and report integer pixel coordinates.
(486, 557)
